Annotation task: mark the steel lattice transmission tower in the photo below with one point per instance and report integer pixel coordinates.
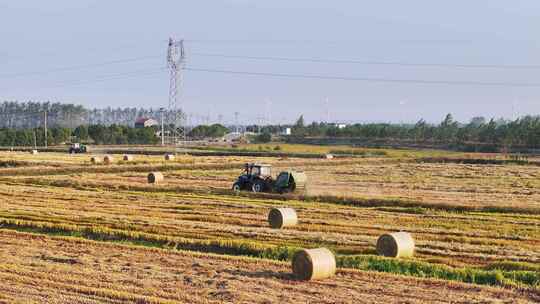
(176, 117)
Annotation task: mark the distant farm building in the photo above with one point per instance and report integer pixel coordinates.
(232, 137)
(144, 122)
(338, 125)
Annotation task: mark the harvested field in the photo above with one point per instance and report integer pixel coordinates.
(465, 186)
(509, 186)
(454, 239)
(36, 269)
(475, 223)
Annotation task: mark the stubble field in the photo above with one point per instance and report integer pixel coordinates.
(472, 223)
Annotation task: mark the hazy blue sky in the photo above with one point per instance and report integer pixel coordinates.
(40, 38)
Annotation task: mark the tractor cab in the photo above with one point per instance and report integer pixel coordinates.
(258, 170)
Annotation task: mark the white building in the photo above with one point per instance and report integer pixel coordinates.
(230, 137)
(286, 131)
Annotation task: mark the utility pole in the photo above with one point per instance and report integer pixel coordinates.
(236, 120)
(327, 104)
(45, 126)
(35, 139)
(268, 115)
(190, 122)
(162, 129)
(514, 116)
(176, 57)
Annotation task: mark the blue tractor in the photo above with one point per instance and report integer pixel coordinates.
(258, 178)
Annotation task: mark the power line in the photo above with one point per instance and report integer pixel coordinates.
(120, 76)
(79, 67)
(139, 73)
(117, 76)
(267, 58)
(368, 79)
(93, 49)
(352, 61)
(328, 42)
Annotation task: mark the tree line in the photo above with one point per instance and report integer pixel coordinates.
(492, 134)
(98, 134)
(22, 115)
(21, 123)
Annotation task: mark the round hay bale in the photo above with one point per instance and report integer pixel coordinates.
(34, 152)
(155, 177)
(329, 156)
(108, 159)
(282, 217)
(95, 160)
(397, 245)
(314, 264)
(127, 157)
(169, 156)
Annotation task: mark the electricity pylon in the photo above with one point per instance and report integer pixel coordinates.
(176, 117)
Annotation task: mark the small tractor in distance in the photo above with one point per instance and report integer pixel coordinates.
(258, 178)
(77, 148)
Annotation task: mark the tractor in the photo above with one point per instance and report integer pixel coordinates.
(258, 178)
(77, 148)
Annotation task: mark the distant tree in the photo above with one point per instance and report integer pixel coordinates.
(98, 133)
(212, 131)
(217, 130)
(488, 132)
(265, 137)
(419, 130)
(477, 121)
(142, 136)
(299, 122)
(299, 128)
(81, 132)
(448, 129)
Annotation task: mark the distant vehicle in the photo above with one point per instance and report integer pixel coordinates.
(78, 148)
(258, 178)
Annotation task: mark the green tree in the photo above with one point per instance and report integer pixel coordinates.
(488, 131)
(265, 137)
(212, 131)
(299, 122)
(81, 132)
(448, 129)
(299, 128)
(419, 130)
